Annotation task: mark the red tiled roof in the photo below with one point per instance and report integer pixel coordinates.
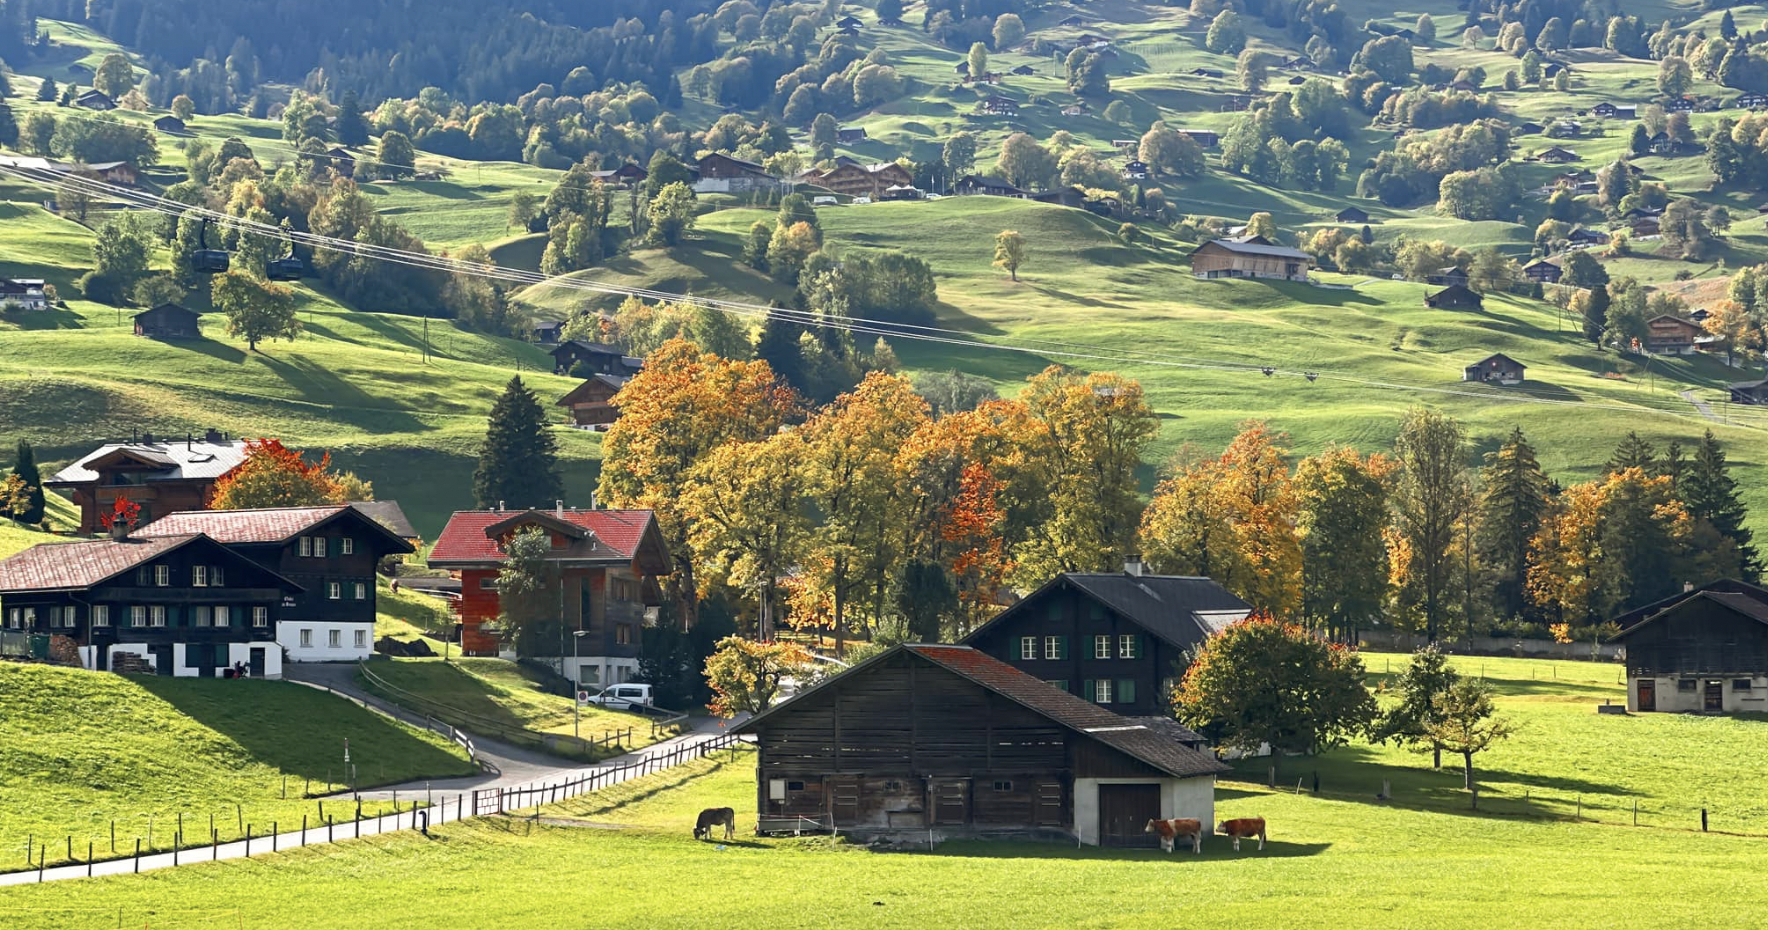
(62, 566)
(266, 525)
(616, 535)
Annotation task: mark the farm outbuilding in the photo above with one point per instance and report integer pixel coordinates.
(937, 742)
(1701, 651)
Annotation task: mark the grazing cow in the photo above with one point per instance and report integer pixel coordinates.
(712, 817)
(1171, 830)
(1246, 827)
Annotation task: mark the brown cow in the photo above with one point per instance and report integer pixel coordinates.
(715, 816)
(1171, 830)
(1246, 827)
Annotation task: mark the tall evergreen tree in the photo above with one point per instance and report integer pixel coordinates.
(1710, 493)
(1510, 512)
(779, 347)
(47, 90)
(24, 465)
(352, 127)
(518, 465)
(1674, 464)
(1634, 452)
(8, 127)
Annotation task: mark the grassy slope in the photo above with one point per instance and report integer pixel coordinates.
(1354, 863)
(506, 693)
(78, 750)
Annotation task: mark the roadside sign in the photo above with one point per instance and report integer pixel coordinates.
(582, 698)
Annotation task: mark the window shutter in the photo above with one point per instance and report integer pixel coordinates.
(1061, 647)
(1126, 690)
(1087, 690)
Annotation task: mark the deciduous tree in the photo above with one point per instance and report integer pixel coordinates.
(1431, 498)
(256, 310)
(1427, 678)
(1010, 252)
(274, 475)
(1341, 510)
(746, 676)
(1464, 721)
(745, 503)
(27, 502)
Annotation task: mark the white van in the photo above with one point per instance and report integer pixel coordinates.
(623, 697)
(824, 201)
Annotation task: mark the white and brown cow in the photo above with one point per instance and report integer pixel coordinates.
(1245, 827)
(1171, 830)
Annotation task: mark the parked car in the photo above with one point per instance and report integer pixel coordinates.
(623, 697)
(824, 201)
(859, 200)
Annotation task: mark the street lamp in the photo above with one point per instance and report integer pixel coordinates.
(576, 679)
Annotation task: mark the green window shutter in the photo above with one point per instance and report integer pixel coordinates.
(1126, 691)
(1135, 645)
(1086, 689)
(1061, 647)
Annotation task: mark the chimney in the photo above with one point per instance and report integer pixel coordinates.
(558, 508)
(500, 506)
(147, 437)
(119, 530)
(593, 505)
(1687, 586)
(1132, 565)
(213, 436)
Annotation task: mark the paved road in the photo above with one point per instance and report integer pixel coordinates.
(503, 766)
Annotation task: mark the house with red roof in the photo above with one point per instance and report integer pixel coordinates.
(178, 604)
(329, 552)
(607, 564)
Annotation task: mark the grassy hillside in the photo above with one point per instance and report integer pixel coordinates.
(1355, 862)
(80, 750)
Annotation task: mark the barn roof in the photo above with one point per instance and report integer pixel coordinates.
(1497, 357)
(262, 525)
(388, 514)
(1160, 750)
(1638, 615)
(1745, 604)
(1240, 247)
(1180, 609)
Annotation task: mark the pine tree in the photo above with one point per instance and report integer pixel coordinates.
(46, 91)
(1710, 493)
(518, 465)
(8, 127)
(1633, 452)
(1510, 513)
(24, 465)
(352, 127)
(778, 346)
(1674, 465)
(1596, 314)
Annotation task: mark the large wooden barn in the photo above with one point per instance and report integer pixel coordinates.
(1704, 650)
(1250, 257)
(935, 742)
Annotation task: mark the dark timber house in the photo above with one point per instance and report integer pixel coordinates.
(168, 321)
(597, 358)
(1118, 640)
(161, 475)
(937, 742)
(181, 605)
(1704, 650)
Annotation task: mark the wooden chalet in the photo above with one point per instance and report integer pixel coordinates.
(1683, 104)
(590, 405)
(997, 105)
(1703, 650)
(594, 358)
(1495, 369)
(607, 563)
(1352, 215)
(1135, 170)
(1448, 276)
(929, 743)
(1205, 138)
(168, 321)
(627, 175)
(1530, 128)
(159, 474)
(330, 552)
(184, 605)
(1455, 297)
(856, 180)
(1751, 101)
(1068, 196)
(848, 135)
(1543, 271)
(971, 184)
(1608, 110)
(171, 125)
(341, 160)
(1668, 334)
(27, 293)
(1752, 393)
(95, 100)
(722, 166)
(1584, 235)
(1559, 155)
(115, 172)
(1254, 257)
(547, 332)
(1117, 640)
(1023, 71)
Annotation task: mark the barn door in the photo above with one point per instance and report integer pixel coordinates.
(1647, 694)
(951, 801)
(1047, 800)
(1715, 701)
(844, 799)
(1124, 812)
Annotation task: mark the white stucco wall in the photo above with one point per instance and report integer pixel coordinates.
(596, 671)
(1179, 797)
(1669, 699)
(288, 635)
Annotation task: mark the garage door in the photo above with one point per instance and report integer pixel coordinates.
(1124, 811)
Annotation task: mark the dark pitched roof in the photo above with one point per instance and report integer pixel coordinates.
(388, 514)
(1455, 292)
(263, 525)
(599, 348)
(1637, 615)
(1746, 604)
(1179, 609)
(1497, 356)
(80, 565)
(1257, 248)
(611, 381)
(1158, 749)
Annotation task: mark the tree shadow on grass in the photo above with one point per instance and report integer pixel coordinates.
(1214, 847)
(348, 403)
(220, 351)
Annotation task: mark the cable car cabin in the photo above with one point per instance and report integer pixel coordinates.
(210, 261)
(285, 269)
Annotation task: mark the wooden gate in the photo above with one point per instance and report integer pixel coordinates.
(1124, 812)
(951, 801)
(1048, 809)
(1715, 697)
(1647, 694)
(843, 799)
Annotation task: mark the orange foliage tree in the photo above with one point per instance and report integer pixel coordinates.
(273, 475)
(979, 563)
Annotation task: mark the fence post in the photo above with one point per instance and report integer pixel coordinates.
(1635, 812)
(303, 830)
(138, 855)
(88, 858)
(273, 836)
(1703, 820)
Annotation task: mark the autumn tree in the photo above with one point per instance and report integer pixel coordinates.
(1341, 510)
(1427, 678)
(745, 504)
(682, 405)
(746, 676)
(1010, 252)
(518, 460)
(1464, 721)
(973, 532)
(1431, 497)
(1613, 544)
(256, 310)
(27, 501)
(671, 214)
(273, 475)
(1261, 682)
(115, 76)
(1515, 498)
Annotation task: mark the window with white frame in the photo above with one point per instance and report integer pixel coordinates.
(319, 547)
(100, 615)
(199, 576)
(362, 639)
(223, 615)
(260, 617)
(346, 546)
(1102, 691)
(1101, 647)
(138, 616)
(1028, 647)
(334, 591)
(14, 617)
(334, 638)
(162, 576)
(70, 617)
(215, 577)
(1128, 646)
(306, 546)
(360, 591)
(306, 639)
(156, 616)
(200, 615)
(30, 617)
(1055, 647)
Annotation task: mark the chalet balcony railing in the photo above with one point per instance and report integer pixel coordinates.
(210, 595)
